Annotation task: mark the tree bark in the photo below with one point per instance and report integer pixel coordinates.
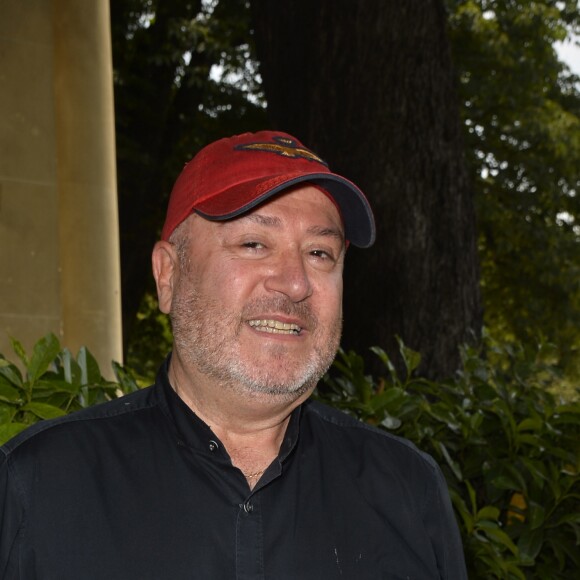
(370, 87)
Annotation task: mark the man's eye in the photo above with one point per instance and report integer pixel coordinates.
(253, 245)
(321, 254)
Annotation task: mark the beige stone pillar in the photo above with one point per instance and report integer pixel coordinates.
(59, 243)
(29, 281)
(88, 220)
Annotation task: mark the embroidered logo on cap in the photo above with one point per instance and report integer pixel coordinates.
(283, 146)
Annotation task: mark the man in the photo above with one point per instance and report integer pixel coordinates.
(224, 469)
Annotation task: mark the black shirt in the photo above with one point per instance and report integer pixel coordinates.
(140, 488)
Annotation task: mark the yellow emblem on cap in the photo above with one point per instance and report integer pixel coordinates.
(285, 147)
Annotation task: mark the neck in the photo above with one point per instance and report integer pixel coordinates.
(251, 427)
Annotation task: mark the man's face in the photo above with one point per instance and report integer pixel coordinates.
(257, 302)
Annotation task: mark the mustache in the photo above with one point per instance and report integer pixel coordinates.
(281, 305)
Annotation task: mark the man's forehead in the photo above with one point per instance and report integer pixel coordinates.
(270, 221)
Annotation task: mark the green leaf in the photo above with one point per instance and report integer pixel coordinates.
(72, 370)
(528, 439)
(11, 374)
(487, 525)
(558, 552)
(455, 467)
(56, 386)
(498, 536)
(475, 421)
(461, 508)
(514, 570)
(10, 430)
(506, 482)
(19, 350)
(572, 408)
(537, 470)
(127, 382)
(44, 352)
(91, 373)
(389, 398)
(536, 515)
(576, 529)
(9, 394)
(572, 552)
(488, 513)
(444, 414)
(530, 544)
(530, 425)
(43, 410)
(411, 358)
(569, 518)
(567, 418)
(384, 358)
(472, 497)
(6, 414)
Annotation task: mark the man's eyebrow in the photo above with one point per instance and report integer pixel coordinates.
(263, 220)
(273, 221)
(326, 232)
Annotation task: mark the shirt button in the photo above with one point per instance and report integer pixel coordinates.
(213, 446)
(248, 507)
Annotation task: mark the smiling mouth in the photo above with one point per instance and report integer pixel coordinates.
(275, 327)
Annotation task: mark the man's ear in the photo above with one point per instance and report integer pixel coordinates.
(165, 271)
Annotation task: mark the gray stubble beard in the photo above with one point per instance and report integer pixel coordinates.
(199, 341)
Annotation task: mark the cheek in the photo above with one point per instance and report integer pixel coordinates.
(330, 299)
(230, 283)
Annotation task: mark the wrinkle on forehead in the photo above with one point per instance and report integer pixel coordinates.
(274, 221)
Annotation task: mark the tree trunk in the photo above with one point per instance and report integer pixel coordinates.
(370, 87)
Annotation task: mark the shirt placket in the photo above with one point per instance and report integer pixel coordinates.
(249, 539)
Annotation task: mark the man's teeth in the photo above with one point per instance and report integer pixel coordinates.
(275, 327)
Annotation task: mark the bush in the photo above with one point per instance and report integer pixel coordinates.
(54, 384)
(509, 448)
(508, 445)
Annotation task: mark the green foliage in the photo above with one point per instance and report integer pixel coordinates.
(521, 112)
(54, 383)
(509, 448)
(152, 340)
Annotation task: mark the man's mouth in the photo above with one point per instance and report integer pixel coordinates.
(275, 327)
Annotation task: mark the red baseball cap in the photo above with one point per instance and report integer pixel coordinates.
(232, 176)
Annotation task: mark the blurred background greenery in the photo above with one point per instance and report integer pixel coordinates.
(464, 108)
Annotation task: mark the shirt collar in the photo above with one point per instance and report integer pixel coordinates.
(196, 434)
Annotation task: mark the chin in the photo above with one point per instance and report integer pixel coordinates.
(277, 381)
(282, 393)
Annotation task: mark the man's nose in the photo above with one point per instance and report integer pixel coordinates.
(289, 276)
